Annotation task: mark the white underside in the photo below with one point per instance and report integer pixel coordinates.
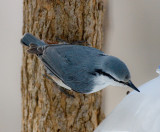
(102, 81)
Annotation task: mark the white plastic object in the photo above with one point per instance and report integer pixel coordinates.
(138, 112)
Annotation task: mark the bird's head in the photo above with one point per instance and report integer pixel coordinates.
(117, 71)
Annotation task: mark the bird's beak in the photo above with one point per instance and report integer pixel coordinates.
(130, 84)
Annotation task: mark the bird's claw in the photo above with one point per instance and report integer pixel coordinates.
(60, 88)
(82, 42)
(79, 42)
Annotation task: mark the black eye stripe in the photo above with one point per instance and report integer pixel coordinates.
(99, 71)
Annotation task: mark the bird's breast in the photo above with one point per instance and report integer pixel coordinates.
(101, 81)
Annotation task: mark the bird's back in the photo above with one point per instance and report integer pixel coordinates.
(74, 64)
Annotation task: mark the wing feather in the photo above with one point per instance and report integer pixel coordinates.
(71, 64)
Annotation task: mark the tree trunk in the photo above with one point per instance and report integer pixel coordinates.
(44, 107)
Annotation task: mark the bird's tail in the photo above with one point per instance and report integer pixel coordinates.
(30, 39)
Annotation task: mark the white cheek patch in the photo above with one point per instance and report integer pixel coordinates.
(102, 81)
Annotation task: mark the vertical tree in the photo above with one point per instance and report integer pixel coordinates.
(44, 107)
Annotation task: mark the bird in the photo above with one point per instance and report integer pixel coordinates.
(79, 68)
(136, 112)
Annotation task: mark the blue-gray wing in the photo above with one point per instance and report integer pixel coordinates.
(73, 64)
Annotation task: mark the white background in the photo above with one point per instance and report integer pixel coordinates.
(133, 36)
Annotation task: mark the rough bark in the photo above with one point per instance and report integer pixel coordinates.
(44, 107)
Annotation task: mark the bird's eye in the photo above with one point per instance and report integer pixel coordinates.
(127, 77)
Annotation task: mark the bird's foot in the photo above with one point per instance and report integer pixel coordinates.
(51, 42)
(81, 42)
(61, 41)
(48, 77)
(60, 88)
(66, 92)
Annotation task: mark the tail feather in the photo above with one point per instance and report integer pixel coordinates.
(30, 39)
